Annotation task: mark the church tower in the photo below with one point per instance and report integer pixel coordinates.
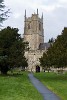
(33, 30)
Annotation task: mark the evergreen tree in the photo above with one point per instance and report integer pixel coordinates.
(12, 49)
(56, 55)
(51, 40)
(3, 13)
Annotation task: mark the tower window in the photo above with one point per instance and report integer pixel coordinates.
(39, 26)
(28, 26)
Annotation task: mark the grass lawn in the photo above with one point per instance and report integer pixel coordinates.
(56, 83)
(17, 87)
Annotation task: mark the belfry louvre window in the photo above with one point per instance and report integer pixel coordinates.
(39, 26)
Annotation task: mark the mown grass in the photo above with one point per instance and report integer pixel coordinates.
(55, 82)
(17, 87)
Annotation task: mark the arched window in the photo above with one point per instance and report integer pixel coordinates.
(39, 26)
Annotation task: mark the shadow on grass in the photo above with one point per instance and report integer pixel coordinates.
(12, 75)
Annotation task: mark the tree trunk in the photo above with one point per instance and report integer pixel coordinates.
(4, 70)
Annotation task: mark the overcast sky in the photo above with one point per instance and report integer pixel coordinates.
(54, 11)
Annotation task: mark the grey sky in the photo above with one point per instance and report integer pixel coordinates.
(54, 11)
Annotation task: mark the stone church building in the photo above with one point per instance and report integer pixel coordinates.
(34, 34)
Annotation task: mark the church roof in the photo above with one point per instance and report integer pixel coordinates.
(44, 46)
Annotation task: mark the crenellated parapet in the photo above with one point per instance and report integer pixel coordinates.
(34, 35)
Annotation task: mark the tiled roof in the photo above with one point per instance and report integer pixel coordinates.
(44, 46)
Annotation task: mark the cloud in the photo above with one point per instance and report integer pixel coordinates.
(16, 15)
(63, 1)
(54, 11)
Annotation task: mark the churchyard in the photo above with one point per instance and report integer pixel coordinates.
(55, 82)
(17, 87)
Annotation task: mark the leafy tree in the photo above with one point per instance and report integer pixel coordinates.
(56, 55)
(45, 62)
(12, 49)
(3, 13)
(59, 50)
(51, 40)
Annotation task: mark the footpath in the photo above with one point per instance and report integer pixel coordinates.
(46, 93)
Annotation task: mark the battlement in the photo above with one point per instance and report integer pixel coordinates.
(33, 30)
